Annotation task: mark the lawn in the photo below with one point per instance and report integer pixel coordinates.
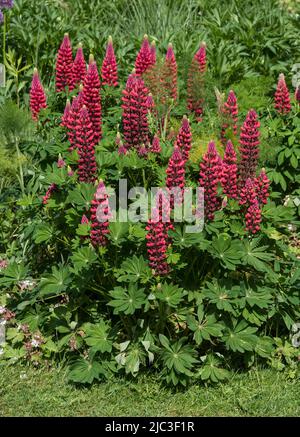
(28, 392)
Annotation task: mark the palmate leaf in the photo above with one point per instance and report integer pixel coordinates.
(222, 296)
(171, 294)
(240, 337)
(118, 232)
(178, 356)
(43, 233)
(127, 301)
(134, 269)
(84, 257)
(85, 371)
(182, 239)
(14, 273)
(97, 336)
(55, 282)
(82, 196)
(227, 251)
(212, 371)
(204, 326)
(257, 257)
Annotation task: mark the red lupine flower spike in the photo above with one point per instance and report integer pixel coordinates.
(37, 96)
(71, 121)
(248, 193)
(153, 52)
(92, 99)
(262, 185)
(122, 149)
(229, 172)
(297, 93)
(135, 112)
(195, 85)
(176, 173)
(184, 138)
(249, 147)
(109, 70)
(230, 114)
(144, 58)
(155, 146)
(79, 66)
(100, 215)
(253, 217)
(157, 244)
(47, 196)
(66, 114)
(87, 167)
(282, 97)
(84, 220)
(209, 178)
(171, 73)
(64, 66)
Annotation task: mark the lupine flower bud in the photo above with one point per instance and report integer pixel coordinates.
(195, 85)
(249, 150)
(109, 67)
(229, 172)
(170, 78)
(122, 149)
(79, 67)
(157, 244)
(71, 120)
(135, 111)
(230, 114)
(282, 97)
(144, 58)
(47, 196)
(64, 65)
(153, 52)
(84, 220)
(37, 96)
(155, 146)
(184, 138)
(92, 99)
(66, 114)
(176, 174)
(248, 193)
(100, 215)
(61, 163)
(87, 167)
(209, 178)
(262, 185)
(297, 94)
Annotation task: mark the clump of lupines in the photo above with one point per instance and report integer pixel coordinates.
(84, 140)
(157, 243)
(64, 65)
(176, 174)
(209, 178)
(48, 194)
(79, 67)
(109, 70)
(66, 114)
(229, 172)
(38, 99)
(195, 85)
(170, 78)
(184, 138)
(135, 111)
(145, 57)
(230, 115)
(253, 217)
(92, 99)
(249, 150)
(100, 215)
(71, 120)
(155, 146)
(262, 185)
(282, 97)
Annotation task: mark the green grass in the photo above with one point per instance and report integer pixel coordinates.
(47, 393)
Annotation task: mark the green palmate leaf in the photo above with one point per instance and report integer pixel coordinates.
(127, 301)
(56, 282)
(171, 294)
(43, 233)
(118, 232)
(14, 273)
(83, 229)
(134, 269)
(84, 257)
(183, 239)
(82, 196)
(212, 371)
(257, 257)
(84, 371)
(204, 326)
(220, 295)
(240, 337)
(97, 336)
(265, 347)
(227, 251)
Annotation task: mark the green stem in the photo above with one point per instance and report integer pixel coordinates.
(20, 167)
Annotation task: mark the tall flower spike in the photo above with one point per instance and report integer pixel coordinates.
(100, 215)
(87, 167)
(157, 244)
(79, 67)
(282, 102)
(64, 65)
(144, 58)
(92, 99)
(195, 85)
(248, 193)
(253, 217)
(209, 178)
(71, 121)
(153, 52)
(135, 112)
(37, 96)
(66, 114)
(171, 73)
(262, 185)
(229, 172)
(230, 114)
(184, 138)
(109, 70)
(249, 147)
(155, 146)
(176, 174)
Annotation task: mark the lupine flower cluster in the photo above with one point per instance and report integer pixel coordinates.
(64, 65)
(84, 140)
(195, 85)
(100, 214)
(209, 178)
(170, 78)
(109, 70)
(253, 213)
(176, 173)
(48, 194)
(157, 244)
(134, 105)
(79, 67)
(184, 138)
(230, 115)
(229, 172)
(37, 100)
(297, 94)
(282, 97)
(262, 186)
(146, 57)
(249, 150)
(5, 4)
(71, 117)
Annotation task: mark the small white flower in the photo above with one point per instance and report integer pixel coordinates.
(35, 343)
(2, 310)
(23, 375)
